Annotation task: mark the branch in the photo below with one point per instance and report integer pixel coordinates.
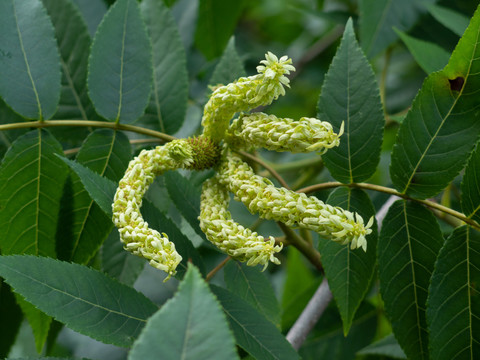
(310, 315)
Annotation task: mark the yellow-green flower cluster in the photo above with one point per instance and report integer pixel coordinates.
(293, 209)
(245, 94)
(267, 131)
(237, 241)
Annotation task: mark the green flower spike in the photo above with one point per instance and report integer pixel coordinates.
(232, 238)
(293, 209)
(267, 131)
(245, 94)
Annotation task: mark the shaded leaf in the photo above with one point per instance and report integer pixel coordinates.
(229, 68)
(191, 325)
(168, 102)
(350, 94)
(31, 184)
(349, 272)
(409, 242)
(253, 333)
(250, 284)
(120, 64)
(387, 346)
(85, 300)
(442, 126)
(449, 18)
(453, 308)
(216, 21)
(471, 187)
(11, 316)
(93, 12)
(8, 116)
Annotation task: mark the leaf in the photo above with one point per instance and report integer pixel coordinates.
(453, 310)
(429, 56)
(409, 242)
(100, 189)
(84, 299)
(11, 316)
(449, 18)
(8, 116)
(84, 226)
(168, 103)
(29, 59)
(120, 64)
(251, 285)
(191, 325)
(253, 333)
(441, 128)
(471, 187)
(31, 184)
(93, 12)
(229, 68)
(74, 45)
(350, 94)
(379, 17)
(186, 197)
(349, 272)
(119, 263)
(216, 22)
(387, 346)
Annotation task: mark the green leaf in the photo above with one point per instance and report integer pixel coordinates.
(29, 59)
(216, 21)
(349, 272)
(471, 187)
(84, 226)
(11, 316)
(31, 184)
(119, 263)
(441, 128)
(409, 242)
(168, 103)
(186, 197)
(379, 17)
(229, 68)
(191, 325)
(120, 64)
(429, 56)
(100, 189)
(84, 299)
(387, 346)
(350, 94)
(449, 18)
(253, 333)
(8, 116)
(74, 45)
(158, 221)
(93, 12)
(453, 308)
(251, 285)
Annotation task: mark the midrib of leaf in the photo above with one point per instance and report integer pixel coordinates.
(157, 101)
(26, 62)
(189, 321)
(39, 168)
(72, 87)
(348, 261)
(121, 64)
(469, 292)
(350, 171)
(377, 30)
(444, 119)
(413, 276)
(75, 297)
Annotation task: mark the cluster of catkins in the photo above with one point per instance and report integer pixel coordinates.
(214, 148)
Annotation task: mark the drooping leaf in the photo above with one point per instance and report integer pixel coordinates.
(379, 17)
(30, 64)
(191, 325)
(350, 95)
(471, 187)
(253, 333)
(84, 299)
(442, 126)
(168, 102)
(453, 307)
(349, 272)
(11, 316)
(387, 346)
(84, 225)
(229, 68)
(408, 245)
(216, 21)
(186, 198)
(31, 184)
(431, 57)
(449, 18)
(120, 64)
(93, 12)
(251, 285)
